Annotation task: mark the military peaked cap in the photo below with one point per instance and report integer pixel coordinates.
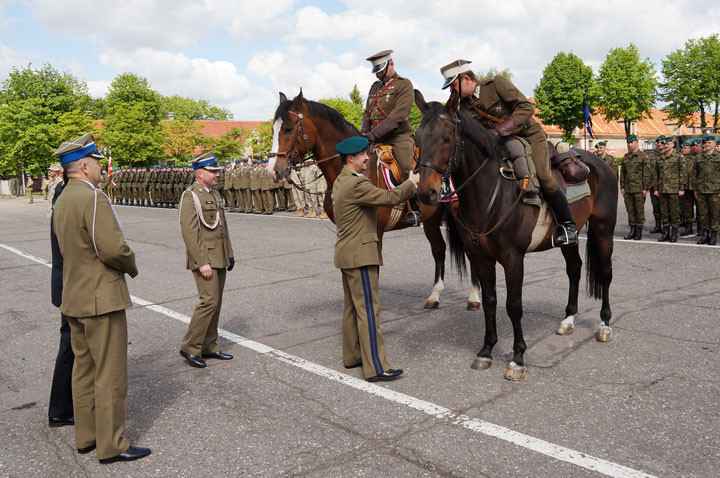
(352, 145)
(78, 148)
(55, 167)
(453, 70)
(206, 161)
(379, 60)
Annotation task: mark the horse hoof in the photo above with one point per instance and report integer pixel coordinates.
(481, 363)
(473, 305)
(604, 334)
(515, 372)
(565, 329)
(431, 304)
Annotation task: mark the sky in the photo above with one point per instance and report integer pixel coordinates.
(239, 54)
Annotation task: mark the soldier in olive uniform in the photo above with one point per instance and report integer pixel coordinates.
(670, 184)
(687, 200)
(695, 154)
(636, 177)
(601, 152)
(289, 197)
(501, 108)
(209, 255)
(385, 119)
(55, 172)
(255, 190)
(706, 181)
(266, 184)
(357, 254)
(298, 195)
(94, 298)
(654, 155)
(244, 185)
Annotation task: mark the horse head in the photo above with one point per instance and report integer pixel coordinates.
(293, 135)
(439, 142)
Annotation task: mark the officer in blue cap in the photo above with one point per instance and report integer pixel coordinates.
(357, 254)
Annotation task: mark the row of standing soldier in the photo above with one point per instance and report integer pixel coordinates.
(242, 184)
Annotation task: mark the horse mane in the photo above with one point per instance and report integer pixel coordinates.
(320, 110)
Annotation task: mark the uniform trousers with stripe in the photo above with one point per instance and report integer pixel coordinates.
(362, 339)
(202, 333)
(99, 382)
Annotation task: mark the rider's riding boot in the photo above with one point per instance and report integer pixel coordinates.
(658, 227)
(631, 234)
(413, 217)
(713, 238)
(558, 203)
(665, 234)
(688, 229)
(638, 233)
(673, 234)
(705, 237)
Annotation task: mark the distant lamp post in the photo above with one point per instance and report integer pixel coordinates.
(171, 115)
(231, 116)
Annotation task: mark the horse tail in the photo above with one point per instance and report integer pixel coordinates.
(457, 247)
(595, 275)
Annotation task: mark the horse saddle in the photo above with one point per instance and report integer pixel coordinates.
(568, 163)
(388, 165)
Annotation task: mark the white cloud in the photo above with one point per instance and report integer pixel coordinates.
(98, 89)
(9, 58)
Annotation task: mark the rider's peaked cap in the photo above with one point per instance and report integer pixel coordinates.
(379, 60)
(352, 145)
(206, 161)
(452, 70)
(78, 148)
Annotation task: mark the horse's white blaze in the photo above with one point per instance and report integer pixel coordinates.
(474, 294)
(275, 145)
(437, 290)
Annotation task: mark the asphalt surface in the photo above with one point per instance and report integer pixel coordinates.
(648, 400)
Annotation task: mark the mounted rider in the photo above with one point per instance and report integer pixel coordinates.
(504, 111)
(385, 120)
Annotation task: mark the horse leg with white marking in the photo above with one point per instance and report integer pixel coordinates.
(573, 268)
(432, 218)
(487, 279)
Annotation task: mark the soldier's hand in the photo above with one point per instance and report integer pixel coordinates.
(644, 194)
(657, 194)
(414, 177)
(206, 271)
(696, 196)
(622, 191)
(232, 264)
(681, 193)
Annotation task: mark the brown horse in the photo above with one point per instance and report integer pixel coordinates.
(303, 127)
(496, 227)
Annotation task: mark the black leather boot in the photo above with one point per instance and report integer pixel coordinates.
(558, 203)
(638, 233)
(699, 232)
(713, 238)
(413, 217)
(673, 234)
(631, 234)
(658, 227)
(665, 234)
(688, 229)
(705, 239)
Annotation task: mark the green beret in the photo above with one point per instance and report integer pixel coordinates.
(352, 145)
(685, 143)
(708, 137)
(669, 139)
(660, 138)
(601, 143)
(695, 142)
(631, 138)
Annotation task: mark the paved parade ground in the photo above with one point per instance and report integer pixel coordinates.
(647, 403)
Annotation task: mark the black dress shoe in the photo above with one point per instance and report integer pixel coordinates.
(354, 366)
(132, 453)
(194, 360)
(390, 374)
(218, 355)
(86, 450)
(61, 422)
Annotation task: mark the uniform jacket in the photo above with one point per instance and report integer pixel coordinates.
(355, 202)
(245, 172)
(670, 173)
(227, 175)
(255, 179)
(706, 173)
(498, 97)
(237, 177)
(95, 254)
(637, 173)
(56, 274)
(610, 161)
(395, 102)
(205, 244)
(266, 182)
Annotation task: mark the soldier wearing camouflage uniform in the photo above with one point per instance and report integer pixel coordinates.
(601, 152)
(670, 183)
(654, 155)
(636, 178)
(706, 181)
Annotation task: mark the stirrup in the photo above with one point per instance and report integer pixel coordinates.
(413, 219)
(565, 239)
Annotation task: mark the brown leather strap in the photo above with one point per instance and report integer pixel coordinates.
(377, 98)
(485, 115)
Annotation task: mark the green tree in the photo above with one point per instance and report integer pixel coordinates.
(565, 84)
(229, 145)
(131, 128)
(355, 96)
(31, 103)
(626, 86)
(180, 138)
(352, 112)
(188, 108)
(492, 73)
(260, 138)
(691, 80)
(415, 117)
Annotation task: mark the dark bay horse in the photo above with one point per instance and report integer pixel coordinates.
(495, 227)
(304, 127)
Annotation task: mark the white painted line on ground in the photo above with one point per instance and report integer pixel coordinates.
(546, 448)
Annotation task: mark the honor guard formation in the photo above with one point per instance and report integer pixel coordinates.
(91, 259)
